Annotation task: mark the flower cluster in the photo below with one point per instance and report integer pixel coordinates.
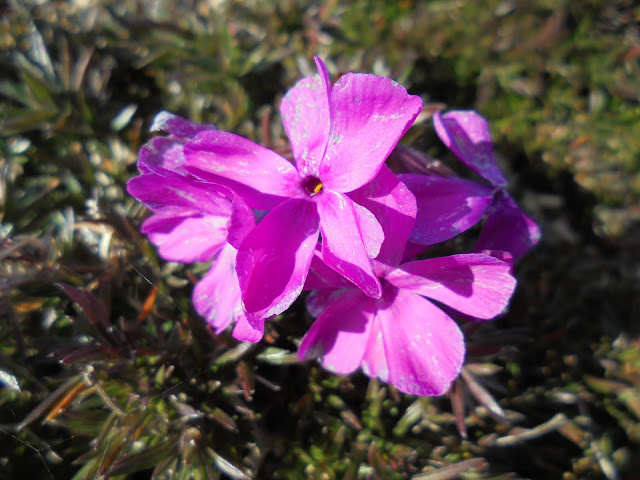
(338, 223)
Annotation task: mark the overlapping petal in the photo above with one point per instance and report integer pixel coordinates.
(163, 156)
(339, 336)
(217, 296)
(262, 177)
(249, 329)
(348, 236)
(508, 228)
(467, 135)
(369, 114)
(394, 206)
(158, 192)
(447, 206)
(274, 258)
(475, 284)
(186, 236)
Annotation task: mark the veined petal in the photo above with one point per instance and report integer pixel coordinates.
(262, 177)
(394, 206)
(186, 238)
(474, 284)
(447, 206)
(157, 192)
(466, 134)
(217, 296)
(423, 348)
(508, 228)
(274, 258)
(305, 115)
(339, 336)
(369, 114)
(347, 236)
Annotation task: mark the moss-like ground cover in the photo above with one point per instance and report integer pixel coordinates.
(106, 371)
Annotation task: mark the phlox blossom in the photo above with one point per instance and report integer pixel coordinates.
(340, 137)
(402, 337)
(449, 205)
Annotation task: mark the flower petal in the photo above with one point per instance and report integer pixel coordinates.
(321, 276)
(249, 329)
(447, 206)
(466, 134)
(187, 238)
(339, 336)
(318, 300)
(163, 156)
(168, 122)
(508, 228)
(274, 258)
(305, 115)
(262, 177)
(423, 347)
(369, 114)
(346, 234)
(394, 206)
(217, 296)
(474, 284)
(157, 192)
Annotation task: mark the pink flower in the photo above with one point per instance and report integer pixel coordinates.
(448, 205)
(508, 228)
(402, 337)
(194, 222)
(340, 137)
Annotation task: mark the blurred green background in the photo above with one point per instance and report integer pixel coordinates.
(115, 376)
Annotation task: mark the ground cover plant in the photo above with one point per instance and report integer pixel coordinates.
(107, 368)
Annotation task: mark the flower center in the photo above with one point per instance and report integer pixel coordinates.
(312, 185)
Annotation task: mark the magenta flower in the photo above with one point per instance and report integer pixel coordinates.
(402, 337)
(340, 137)
(508, 228)
(448, 205)
(194, 222)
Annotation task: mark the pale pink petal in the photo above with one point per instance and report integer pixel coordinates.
(305, 115)
(168, 122)
(369, 114)
(339, 336)
(343, 228)
(395, 208)
(189, 238)
(423, 347)
(508, 228)
(262, 177)
(157, 192)
(474, 284)
(447, 206)
(217, 296)
(249, 329)
(467, 135)
(274, 258)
